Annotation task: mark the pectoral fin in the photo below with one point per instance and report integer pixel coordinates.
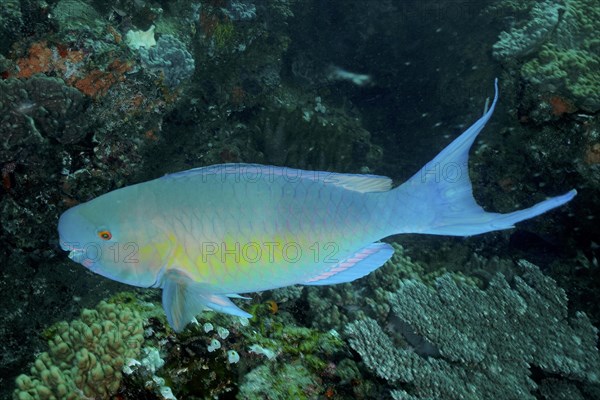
(184, 298)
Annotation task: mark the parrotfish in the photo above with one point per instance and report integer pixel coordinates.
(207, 234)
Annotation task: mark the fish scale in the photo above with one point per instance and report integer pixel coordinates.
(335, 217)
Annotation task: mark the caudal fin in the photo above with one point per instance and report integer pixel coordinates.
(443, 194)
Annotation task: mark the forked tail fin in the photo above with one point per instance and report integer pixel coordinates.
(442, 194)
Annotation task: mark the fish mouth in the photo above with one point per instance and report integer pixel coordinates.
(75, 254)
(67, 246)
(74, 251)
(78, 255)
(71, 224)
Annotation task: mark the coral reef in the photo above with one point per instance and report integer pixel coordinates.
(289, 293)
(170, 57)
(40, 107)
(241, 10)
(38, 117)
(299, 362)
(573, 72)
(46, 60)
(305, 131)
(137, 40)
(561, 40)
(85, 356)
(525, 40)
(333, 307)
(481, 344)
(214, 357)
(82, 113)
(78, 17)
(290, 381)
(11, 23)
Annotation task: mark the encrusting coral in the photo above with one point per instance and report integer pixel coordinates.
(85, 356)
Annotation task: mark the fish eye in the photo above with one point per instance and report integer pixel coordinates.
(104, 234)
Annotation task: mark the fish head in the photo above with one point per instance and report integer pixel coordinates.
(109, 236)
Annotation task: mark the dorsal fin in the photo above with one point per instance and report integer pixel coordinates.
(355, 182)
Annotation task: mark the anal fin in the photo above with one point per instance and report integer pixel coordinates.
(367, 259)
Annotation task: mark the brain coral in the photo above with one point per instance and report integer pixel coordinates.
(85, 356)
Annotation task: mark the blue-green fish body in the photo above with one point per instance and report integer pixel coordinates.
(205, 234)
